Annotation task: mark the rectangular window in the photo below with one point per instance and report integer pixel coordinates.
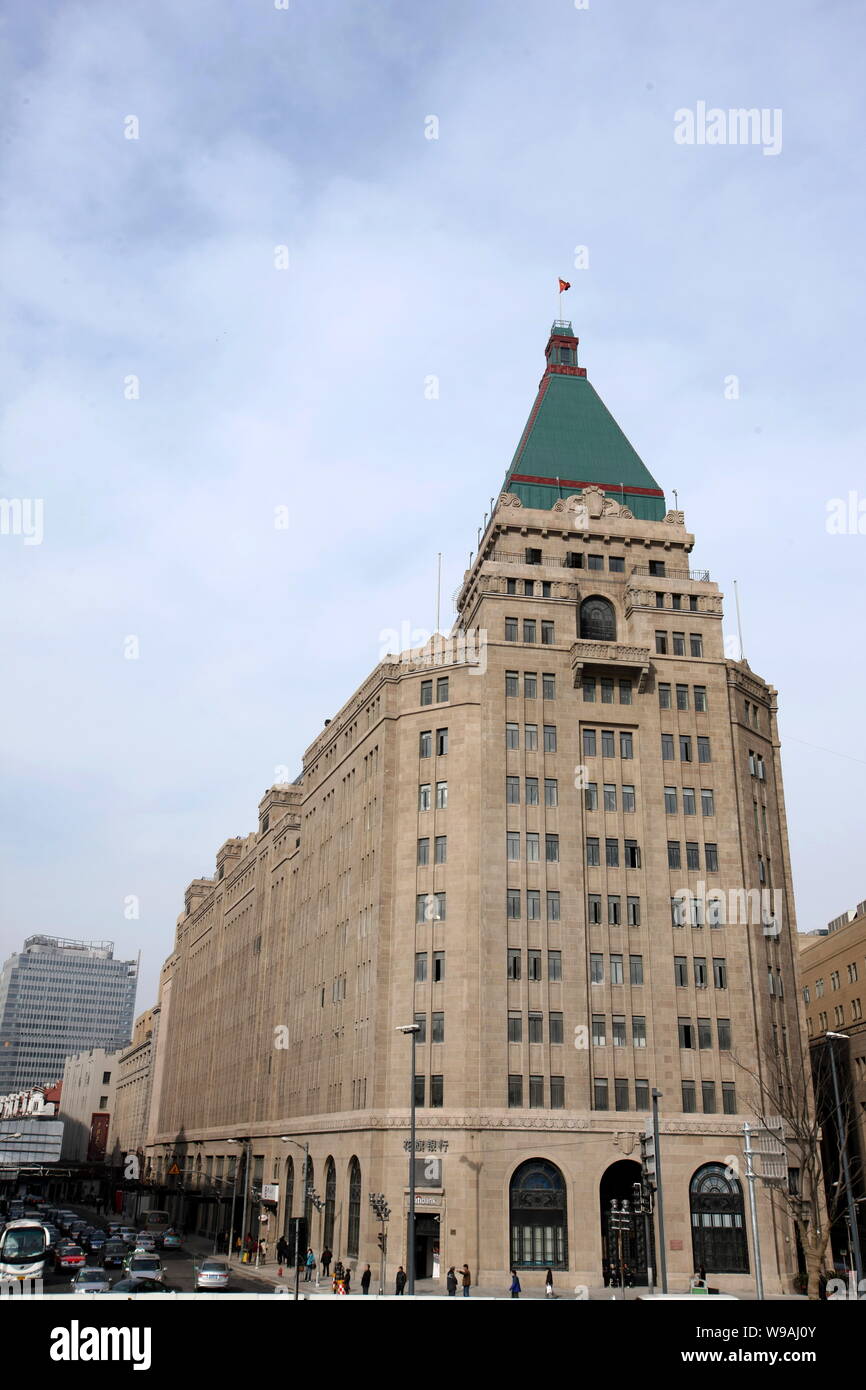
(587, 686)
(696, 644)
(682, 697)
(554, 965)
(420, 1082)
(515, 1091)
(681, 971)
(625, 692)
(704, 750)
(511, 629)
(551, 797)
(512, 844)
(607, 688)
(632, 854)
(547, 637)
(528, 630)
(599, 1094)
(616, 975)
(638, 1030)
(699, 967)
(513, 896)
(701, 699)
(635, 970)
(532, 847)
(641, 1094)
(599, 1035)
(532, 791)
(550, 738)
(441, 742)
(593, 908)
(657, 568)
(712, 857)
(536, 1028)
(670, 801)
(723, 1031)
(720, 973)
(614, 917)
(620, 1091)
(705, 1033)
(729, 1098)
(530, 738)
(555, 1028)
(425, 743)
(557, 1093)
(590, 796)
(574, 560)
(633, 911)
(533, 556)
(608, 748)
(676, 602)
(664, 695)
(616, 564)
(592, 850)
(548, 687)
(628, 797)
(511, 586)
(679, 640)
(513, 963)
(515, 1028)
(611, 853)
(686, 1032)
(661, 643)
(553, 906)
(610, 796)
(442, 690)
(424, 797)
(689, 1098)
(667, 747)
(707, 803)
(441, 849)
(693, 855)
(426, 692)
(626, 746)
(530, 685)
(512, 790)
(589, 743)
(674, 854)
(421, 1021)
(708, 1097)
(441, 796)
(595, 562)
(512, 735)
(420, 966)
(512, 686)
(533, 905)
(437, 1092)
(685, 748)
(596, 968)
(533, 965)
(424, 851)
(529, 585)
(660, 599)
(551, 849)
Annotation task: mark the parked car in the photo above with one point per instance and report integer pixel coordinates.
(141, 1286)
(91, 1281)
(69, 1257)
(212, 1274)
(145, 1266)
(114, 1254)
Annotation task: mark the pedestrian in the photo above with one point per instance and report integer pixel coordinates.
(327, 1256)
(467, 1280)
(263, 1247)
(548, 1284)
(605, 1273)
(347, 1279)
(515, 1284)
(400, 1281)
(282, 1250)
(365, 1280)
(309, 1266)
(451, 1282)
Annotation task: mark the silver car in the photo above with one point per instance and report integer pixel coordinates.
(212, 1274)
(144, 1266)
(91, 1281)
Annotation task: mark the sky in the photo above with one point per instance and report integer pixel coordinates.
(237, 243)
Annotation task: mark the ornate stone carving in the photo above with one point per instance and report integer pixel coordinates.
(509, 499)
(590, 504)
(675, 518)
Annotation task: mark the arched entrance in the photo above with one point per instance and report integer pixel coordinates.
(719, 1242)
(617, 1184)
(330, 1203)
(539, 1228)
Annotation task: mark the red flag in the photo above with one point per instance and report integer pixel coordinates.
(564, 285)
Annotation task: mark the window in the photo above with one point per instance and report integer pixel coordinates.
(708, 1097)
(620, 1091)
(530, 685)
(442, 690)
(705, 1033)
(547, 637)
(660, 600)
(699, 966)
(512, 844)
(424, 797)
(421, 1021)
(512, 686)
(437, 1028)
(437, 1092)
(596, 968)
(661, 643)
(628, 797)
(551, 849)
(610, 796)
(641, 1094)
(438, 967)
(638, 1030)
(711, 854)
(664, 695)
(670, 801)
(679, 641)
(599, 1094)
(595, 562)
(529, 587)
(625, 692)
(426, 692)
(696, 644)
(532, 847)
(685, 748)
(657, 568)
(513, 897)
(511, 629)
(590, 796)
(550, 738)
(511, 586)
(593, 908)
(533, 965)
(536, 1028)
(557, 1093)
(592, 850)
(555, 1028)
(674, 854)
(554, 965)
(676, 602)
(532, 791)
(611, 853)
(441, 742)
(515, 1091)
(441, 796)
(587, 686)
(589, 743)
(626, 746)
(528, 630)
(441, 849)
(608, 747)
(720, 973)
(420, 967)
(599, 1035)
(512, 790)
(678, 912)
(420, 1084)
(834, 979)
(513, 964)
(633, 911)
(701, 699)
(597, 619)
(533, 557)
(689, 1098)
(635, 970)
(693, 855)
(704, 750)
(512, 735)
(681, 971)
(693, 603)
(852, 972)
(533, 905)
(723, 1032)
(616, 564)
(515, 1028)
(607, 688)
(686, 1033)
(425, 743)
(574, 560)
(632, 854)
(708, 807)
(729, 1098)
(682, 697)
(553, 906)
(667, 747)
(423, 851)
(548, 687)
(616, 975)
(614, 910)
(530, 738)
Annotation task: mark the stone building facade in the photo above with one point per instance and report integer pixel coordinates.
(556, 840)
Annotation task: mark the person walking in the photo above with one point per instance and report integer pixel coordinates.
(347, 1280)
(263, 1248)
(467, 1280)
(282, 1250)
(548, 1284)
(327, 1256)
(451, 1282)
(309, 1266)
(515, 1284)
(365, 1280)
(400, 1281)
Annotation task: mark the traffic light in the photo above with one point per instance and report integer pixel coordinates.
(383, 1239)
(648, 1156)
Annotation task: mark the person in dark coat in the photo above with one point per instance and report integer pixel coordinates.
(451, 1282)
(327, 1256)
(347, 1280)
(365, 1280)
(467, 1280)
(515, 1284)
(548, 1284)
(400, 1281)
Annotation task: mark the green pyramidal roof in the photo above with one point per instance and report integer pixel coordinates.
(571, 440)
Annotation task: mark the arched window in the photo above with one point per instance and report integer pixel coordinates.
(719, 1243)
(597, 620)
(289, 1196)
(330, 1203)
(354, 1227)
(539, 1237)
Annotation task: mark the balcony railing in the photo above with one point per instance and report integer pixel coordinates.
(518, 557)
(698, 576)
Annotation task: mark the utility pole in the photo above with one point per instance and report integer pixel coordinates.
(663, 1259)
(383, 1211)
(413, 1029)
(753, 1210)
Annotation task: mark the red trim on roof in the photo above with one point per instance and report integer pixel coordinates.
(561, 370)
(587, 482)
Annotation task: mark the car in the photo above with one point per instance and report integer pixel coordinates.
(145, 1266)
(141, 1285)
(212, 1274)
(91, 1281)
(95, 1241)
(145, 1241)
(70, 1257)
(172, 1240)
(129, 1235)
(114, 1254)
(112, 1227)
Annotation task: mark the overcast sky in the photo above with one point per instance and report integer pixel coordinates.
(168, 385)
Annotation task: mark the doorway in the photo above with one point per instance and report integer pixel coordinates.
(426, 1245)
(618, 1183)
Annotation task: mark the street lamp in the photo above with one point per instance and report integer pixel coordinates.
(846, 1172)
(382, 1211)
(414, 1029)
(247, 1144)
(305, 1147)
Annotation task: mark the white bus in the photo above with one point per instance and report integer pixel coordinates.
(156, 1222)
(23, 1250)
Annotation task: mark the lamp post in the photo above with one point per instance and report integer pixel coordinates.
(305, 1147)
(247, 1145)
(660, 1206)
(413, 1029)
(382, 1211)
(846, 1172)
